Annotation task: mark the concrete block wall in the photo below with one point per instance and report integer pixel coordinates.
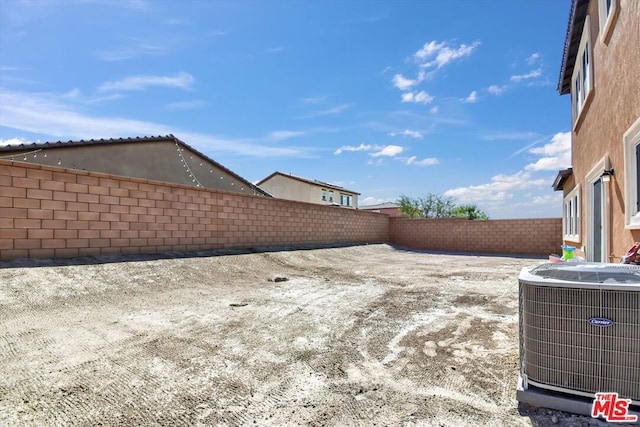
(48, 212)
(541, 236)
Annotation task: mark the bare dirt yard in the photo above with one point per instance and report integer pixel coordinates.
(361, 335)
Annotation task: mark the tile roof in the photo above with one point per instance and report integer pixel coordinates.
(102, 141)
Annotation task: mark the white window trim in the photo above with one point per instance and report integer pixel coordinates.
(630, 140)
(606, 21)
(579, 108)
(572, 199)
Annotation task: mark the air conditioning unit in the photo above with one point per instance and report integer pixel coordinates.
(579, 335)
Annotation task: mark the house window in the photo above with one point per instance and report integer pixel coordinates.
(346, 200)
(331, 196)
(606, 11)
(324, 194)
(571, 215)
(631, 140)
(581, 79)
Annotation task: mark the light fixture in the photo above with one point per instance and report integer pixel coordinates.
(606, 175)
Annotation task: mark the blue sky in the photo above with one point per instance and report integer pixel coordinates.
(382, 97)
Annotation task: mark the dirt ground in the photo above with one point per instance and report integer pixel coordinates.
(361, 335)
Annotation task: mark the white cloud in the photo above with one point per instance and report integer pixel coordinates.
(496, 90)
(176, 22)
(500, 188)
(508, 136)
(50, 114)
(388, 151)
(407, 132)
(187, 105)
(361, 147)
(368, 201)
(532, 75)
(135, 48)
(402, 82)
(547, 200)
(276, 49)
(557, 154)
(533, 58)
(421, 97)
(429, 161)
(376, 162)
(280, 135)
(434, 54)
(329, 111)
(181, 80)
(13, 141)
(429, 49)
(472, 98)
(315, 100)
(434, 109)
(378, 150)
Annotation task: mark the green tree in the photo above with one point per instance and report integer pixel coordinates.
(437, 206)
(469, 212)
(410, 207)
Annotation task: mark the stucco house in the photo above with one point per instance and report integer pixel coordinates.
(388, 208)
(291, 187)
(600, 71)
(159, 158)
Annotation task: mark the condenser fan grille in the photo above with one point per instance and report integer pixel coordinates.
(583, 340)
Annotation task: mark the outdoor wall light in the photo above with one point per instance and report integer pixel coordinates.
(606, 175)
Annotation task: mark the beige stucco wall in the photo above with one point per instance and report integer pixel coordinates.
(613, 108)
(155, 160)
(287, 188)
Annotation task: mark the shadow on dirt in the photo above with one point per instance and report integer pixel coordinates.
(115, 258)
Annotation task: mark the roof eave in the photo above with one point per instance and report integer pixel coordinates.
(561, 178)
(577, 16)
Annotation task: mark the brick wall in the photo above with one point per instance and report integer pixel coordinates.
(50, 212)
(541, 236)
(54, 212)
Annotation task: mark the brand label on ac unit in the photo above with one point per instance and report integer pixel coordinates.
(600, 321)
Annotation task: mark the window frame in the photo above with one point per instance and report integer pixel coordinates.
(571, 215)
(346, 198)
(582, 77)
(606, 19)
(323, 195)
(631, 140)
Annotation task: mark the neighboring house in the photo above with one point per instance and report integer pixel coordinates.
(160, 158)
(601, 72)
(389, 208)
(290, 187)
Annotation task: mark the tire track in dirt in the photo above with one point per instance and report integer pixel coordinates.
(348, 340)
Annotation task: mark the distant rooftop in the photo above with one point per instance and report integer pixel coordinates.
(387, 205)
(308, 181)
